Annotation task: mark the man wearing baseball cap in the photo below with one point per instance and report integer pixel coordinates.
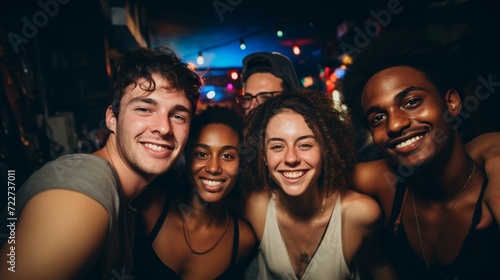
(265, 75)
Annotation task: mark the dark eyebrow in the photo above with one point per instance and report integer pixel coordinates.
(399, 96)
(151, 101)
(143, 99)
(298, 139)
(229, 147)
(182, 108)
(274, 139)
(205, 146)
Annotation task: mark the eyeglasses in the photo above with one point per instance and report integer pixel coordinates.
(261, 97)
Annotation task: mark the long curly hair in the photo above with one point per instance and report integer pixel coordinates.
(331, 128)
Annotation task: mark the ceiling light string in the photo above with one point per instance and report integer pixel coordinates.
(243, 46)
(277, 29)
(200, 60)
(241, 41)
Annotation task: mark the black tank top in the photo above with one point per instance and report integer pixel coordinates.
(478, 258)
(147, 264)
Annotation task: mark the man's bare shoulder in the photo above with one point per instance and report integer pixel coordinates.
(484, 146)
(360, 207)
(372, 176)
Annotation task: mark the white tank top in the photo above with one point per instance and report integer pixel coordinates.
(327, 262)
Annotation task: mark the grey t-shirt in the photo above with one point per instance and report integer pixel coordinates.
(96, 178)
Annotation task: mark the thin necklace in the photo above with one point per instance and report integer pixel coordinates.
(304, 256)
(188, 240)
(427, 264)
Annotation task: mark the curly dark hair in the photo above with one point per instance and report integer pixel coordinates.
(409, 45)
(215, 115)
(331, 128)
(144, 63)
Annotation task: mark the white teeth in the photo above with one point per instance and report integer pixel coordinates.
(211, 183)
(293, 175)
(408, 142)
(155, 147)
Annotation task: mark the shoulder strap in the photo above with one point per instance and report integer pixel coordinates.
(152, 235)
(397, 204)
(236, 240)
(478, 212)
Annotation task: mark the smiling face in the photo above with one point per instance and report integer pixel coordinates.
(292, 153)
(214, 162)
(152, 127)
(406, 115)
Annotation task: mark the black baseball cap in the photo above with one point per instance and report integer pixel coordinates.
(279, 65)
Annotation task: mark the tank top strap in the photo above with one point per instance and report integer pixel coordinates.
(236, 239)
(398, 204)
(161, 219)
(477, 212)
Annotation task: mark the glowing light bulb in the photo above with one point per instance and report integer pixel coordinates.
(234, 75)
(200, 60)
(211, 94)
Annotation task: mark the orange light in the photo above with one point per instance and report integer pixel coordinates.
(234, 75)
(333, 77)
(347, 60)
(296, 50)
(308, 81)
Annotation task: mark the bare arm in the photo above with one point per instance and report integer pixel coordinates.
(255, 211)
(378, 180)
(374, 257)
(58, 236)
(485, 150)
(247, 245)
(365, 218)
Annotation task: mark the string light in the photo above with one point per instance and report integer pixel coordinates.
(279, 32)
(241, 40)
(200, 60)
(234, 75)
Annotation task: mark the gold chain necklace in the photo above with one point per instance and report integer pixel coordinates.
(427, 265)
(304, 256)
(185, 230)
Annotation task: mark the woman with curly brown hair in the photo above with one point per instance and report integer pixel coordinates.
(297, 174)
